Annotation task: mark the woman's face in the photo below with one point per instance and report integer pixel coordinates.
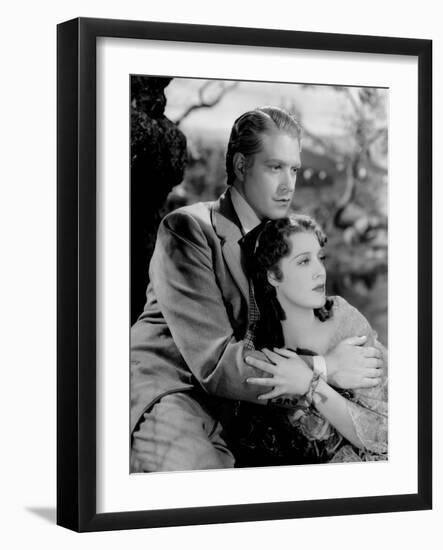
(304, 274)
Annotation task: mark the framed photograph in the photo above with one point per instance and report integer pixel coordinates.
(154, 191)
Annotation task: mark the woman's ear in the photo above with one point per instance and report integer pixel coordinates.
(239, 165)
(272, 279)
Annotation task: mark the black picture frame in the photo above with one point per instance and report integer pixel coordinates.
(76, 273)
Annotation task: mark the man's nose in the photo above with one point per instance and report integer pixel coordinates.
(287, 182)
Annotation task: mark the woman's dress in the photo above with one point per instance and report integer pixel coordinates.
(269, 435)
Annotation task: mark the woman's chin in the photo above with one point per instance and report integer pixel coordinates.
(320, 302)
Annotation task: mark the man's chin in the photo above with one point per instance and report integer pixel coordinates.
(277, 214)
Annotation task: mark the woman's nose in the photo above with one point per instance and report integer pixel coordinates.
(320, 271)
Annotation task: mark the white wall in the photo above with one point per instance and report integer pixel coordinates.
(27, 232)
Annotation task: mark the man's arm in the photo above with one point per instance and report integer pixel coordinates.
(352, 365)
(182, 275)
(183, 279)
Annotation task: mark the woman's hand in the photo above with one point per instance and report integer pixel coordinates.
(289, 373)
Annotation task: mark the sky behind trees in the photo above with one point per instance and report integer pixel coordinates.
(321, 107)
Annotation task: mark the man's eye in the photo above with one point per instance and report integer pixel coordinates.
(294, 171)
(276, 167)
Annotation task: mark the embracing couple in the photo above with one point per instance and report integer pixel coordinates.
(238, 344)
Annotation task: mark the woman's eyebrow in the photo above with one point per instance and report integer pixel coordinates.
(300, 254)
(308, 252)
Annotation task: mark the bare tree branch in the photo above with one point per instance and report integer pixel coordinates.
(206, 102)
(352, 100)
(376, 135)
(349, 190)
(331, 150)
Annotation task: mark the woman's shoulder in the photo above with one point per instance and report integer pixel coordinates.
(348, 320)
(341, 306)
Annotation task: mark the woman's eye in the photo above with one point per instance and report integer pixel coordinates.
(322, 258)
(304, 261)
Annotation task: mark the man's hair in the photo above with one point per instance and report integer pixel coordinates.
(249, 127)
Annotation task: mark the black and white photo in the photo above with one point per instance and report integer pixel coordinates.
(262, 337)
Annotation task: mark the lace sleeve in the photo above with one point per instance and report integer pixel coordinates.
(369, 406)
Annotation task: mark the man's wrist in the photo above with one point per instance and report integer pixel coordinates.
(308, 359)
(331, 368)
(320, 367)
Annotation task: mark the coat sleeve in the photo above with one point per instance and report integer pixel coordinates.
(183, 279)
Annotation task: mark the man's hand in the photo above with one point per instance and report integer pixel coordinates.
(350, 365)
(289, 374)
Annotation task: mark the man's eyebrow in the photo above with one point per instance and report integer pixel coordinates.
(276, 159)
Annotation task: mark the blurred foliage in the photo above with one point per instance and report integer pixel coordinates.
(158, 156)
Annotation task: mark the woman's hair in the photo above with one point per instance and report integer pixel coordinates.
(247, 131)
(271, 243)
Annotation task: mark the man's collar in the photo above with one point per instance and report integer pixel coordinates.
(248, 218)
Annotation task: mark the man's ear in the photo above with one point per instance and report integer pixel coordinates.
(239, 165)
(272, 279)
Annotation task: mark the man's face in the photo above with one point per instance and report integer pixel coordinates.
(268, 181)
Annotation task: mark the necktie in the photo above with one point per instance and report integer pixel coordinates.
(247, 243)
(253, 317)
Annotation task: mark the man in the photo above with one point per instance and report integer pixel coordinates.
(188, 346)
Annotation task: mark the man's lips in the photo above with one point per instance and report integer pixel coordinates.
(283, 201)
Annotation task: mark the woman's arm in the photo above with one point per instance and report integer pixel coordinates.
(334, 408)
(369, 411)
(289, 375)
(369, 406)
(363, 423)
(363, 427)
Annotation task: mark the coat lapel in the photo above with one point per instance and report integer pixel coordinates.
(227, 227)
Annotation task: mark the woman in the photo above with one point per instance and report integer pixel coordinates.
(286, 266)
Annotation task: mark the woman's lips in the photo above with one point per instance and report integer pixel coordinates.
(319, 288)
